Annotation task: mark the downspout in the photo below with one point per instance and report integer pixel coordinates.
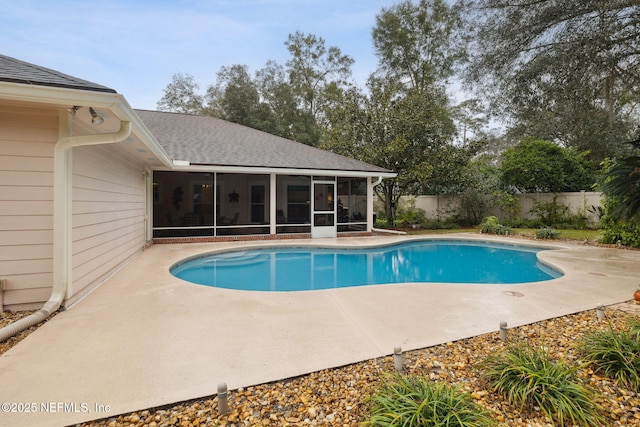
(62, 224)
(380, 230)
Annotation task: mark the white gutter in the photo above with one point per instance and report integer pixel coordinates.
(63, 98)
(183, 165)
(381, 230)
(62, 224)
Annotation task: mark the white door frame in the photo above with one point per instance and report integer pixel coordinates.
(323, 222)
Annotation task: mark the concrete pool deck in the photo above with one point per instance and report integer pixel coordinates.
(145, 338)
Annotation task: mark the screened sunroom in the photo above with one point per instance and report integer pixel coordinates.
(231, 180)
(221, 204)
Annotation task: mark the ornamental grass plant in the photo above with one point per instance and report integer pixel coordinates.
(412, 401)
(633, 328)
(528, 378)
(615, 354)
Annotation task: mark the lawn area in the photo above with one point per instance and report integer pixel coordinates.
(591, 235)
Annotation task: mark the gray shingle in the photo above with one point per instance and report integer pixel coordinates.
(204, 140)
(16, 71)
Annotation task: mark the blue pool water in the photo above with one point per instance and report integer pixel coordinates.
(297, 269)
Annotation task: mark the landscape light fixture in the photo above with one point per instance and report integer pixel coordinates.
(95, 118)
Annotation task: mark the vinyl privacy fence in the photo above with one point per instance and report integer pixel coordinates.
(441, 207)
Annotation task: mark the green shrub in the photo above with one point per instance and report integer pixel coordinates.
(579, 221)
(472, 206)
(502, 230)
(407, 214)
(616, 230)
(381, 220)
(547, 233)
(550, 213)
(509, 204)
(524, 223)
(598, 211)
(528, 378)
(491, 225)
(416, 401)
(446, 224)
(615, 354)
(488, 224)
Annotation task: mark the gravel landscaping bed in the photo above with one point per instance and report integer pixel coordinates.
(8, 317)
(337, 397)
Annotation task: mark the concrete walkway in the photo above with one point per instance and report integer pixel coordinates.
(145, 338)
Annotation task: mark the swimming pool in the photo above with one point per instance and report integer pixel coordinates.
(307, 268)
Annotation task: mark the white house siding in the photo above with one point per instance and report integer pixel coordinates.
(27, 140)
(108, 214)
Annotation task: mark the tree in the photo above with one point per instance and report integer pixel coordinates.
(180, 96)
(419, 44)
(289, 120)
(543, 166)
(394, 130)
(561, 70)
(239, 98)
(403, 122)
(291, 102)
(448, 165)
(471, 119)
(315, 70)
(236, 99)
(275, 90)
(551, 106)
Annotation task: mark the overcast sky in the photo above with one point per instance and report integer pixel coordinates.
(136, 46)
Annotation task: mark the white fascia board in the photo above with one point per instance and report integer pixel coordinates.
(280, 171)
(57, 96)
(66, 98)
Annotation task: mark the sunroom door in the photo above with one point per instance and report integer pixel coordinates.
(323, 214)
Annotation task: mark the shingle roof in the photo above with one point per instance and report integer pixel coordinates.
(204, 140)
(16, 71)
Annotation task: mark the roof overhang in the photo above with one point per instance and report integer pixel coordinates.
(184, 167)
(119, 110)
(65, 98)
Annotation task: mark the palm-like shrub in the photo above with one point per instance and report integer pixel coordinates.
(412, 401)
(621, 187)
(528, 378)
(622, 182)
(615, 354)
